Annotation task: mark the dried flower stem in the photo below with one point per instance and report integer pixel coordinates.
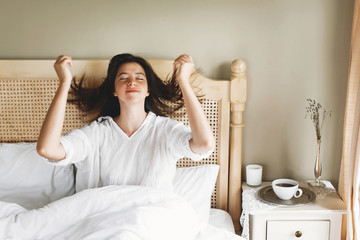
(317, 115)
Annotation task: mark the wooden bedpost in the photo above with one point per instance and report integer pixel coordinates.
(238, 99)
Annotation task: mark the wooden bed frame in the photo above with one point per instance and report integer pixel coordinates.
(28, 86)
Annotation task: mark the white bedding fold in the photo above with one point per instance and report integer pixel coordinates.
(112, 212)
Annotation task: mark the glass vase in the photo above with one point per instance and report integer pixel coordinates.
(317, 168)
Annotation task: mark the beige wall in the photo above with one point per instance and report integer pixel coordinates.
(295, 49)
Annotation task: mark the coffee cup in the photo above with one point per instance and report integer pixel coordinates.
(285, 189)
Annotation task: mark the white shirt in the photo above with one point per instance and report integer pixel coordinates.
(105, 155)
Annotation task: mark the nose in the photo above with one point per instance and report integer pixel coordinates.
(131, 83)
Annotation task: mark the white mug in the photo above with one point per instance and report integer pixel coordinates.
(253, 175)
(285, 189)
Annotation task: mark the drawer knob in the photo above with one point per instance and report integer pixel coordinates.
(298, 234)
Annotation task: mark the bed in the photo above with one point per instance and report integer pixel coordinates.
(29, 185)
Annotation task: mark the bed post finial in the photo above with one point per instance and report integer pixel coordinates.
(238, 66)
(238, 99)
(238, 82)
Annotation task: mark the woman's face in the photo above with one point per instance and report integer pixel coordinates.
(131, 84)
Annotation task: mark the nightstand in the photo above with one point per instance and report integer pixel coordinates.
(319, 219)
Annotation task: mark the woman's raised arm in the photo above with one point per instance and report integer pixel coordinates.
(48, 144)
(202, 137)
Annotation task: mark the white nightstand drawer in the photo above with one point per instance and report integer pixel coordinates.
(302, 230)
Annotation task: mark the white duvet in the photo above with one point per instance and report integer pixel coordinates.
(112, 212)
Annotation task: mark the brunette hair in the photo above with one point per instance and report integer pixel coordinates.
(165, 97)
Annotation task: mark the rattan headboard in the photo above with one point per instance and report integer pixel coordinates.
(28, 86)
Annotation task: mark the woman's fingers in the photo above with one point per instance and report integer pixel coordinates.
(64, 59)
(184, 58)
(184, 67)
(61, 65)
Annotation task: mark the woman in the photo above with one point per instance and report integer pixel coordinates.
(129, 144)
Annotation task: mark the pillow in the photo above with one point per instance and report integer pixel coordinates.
(27, 180)
(196, 185)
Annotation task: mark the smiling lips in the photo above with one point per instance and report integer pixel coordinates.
(132, 91)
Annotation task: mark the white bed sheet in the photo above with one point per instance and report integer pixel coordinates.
(221, 219)
(121, 212)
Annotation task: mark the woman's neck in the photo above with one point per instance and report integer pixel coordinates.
(130, 120)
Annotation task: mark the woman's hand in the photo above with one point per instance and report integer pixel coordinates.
(62, 68)
(184, 66)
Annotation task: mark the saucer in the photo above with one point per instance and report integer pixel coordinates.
(268, 195)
